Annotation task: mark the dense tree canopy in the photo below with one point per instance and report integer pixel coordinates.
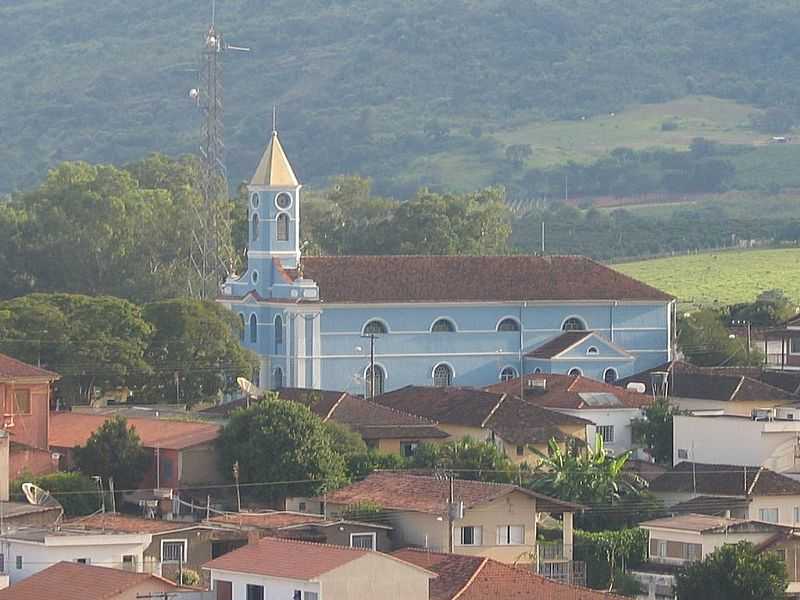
(654, 430)
(705, 340)
(466, 458)
(115, 452)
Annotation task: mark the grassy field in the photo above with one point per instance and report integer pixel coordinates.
(721, 277)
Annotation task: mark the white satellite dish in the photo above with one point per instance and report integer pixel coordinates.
(250, 388)
(37, 496)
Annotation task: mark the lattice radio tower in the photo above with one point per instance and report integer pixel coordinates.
(213, 255)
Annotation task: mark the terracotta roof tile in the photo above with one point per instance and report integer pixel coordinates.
(475, 578)
(380, 279)
(71, 429)
(565, 391)
(520, 422)
(419, 493)
(11, 368)
(558, 344)
(694, 522)
(725, 480)
(451, 405)
(281, 557)
(320, 402)
(710, 505)
(266, 520)
(73, 581)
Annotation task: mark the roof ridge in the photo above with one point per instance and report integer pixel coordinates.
(471, 579)
(736, 389)
(426, 420)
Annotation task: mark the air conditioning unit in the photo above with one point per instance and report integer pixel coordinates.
(787, 413)
(763, 414)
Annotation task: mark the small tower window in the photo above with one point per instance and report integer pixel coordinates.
(573, 324)
(283, 201)
(508, 324)
(508, 374)
(253, 329)
(442, 375)
(610, 376)
(254, 200)
(277, 378)
(278, 333)
(592, 351)
(375, 327)
(254, 227)
(282, 228)
(379, 378)
(443, 326)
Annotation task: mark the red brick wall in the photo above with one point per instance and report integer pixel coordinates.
(31, 429)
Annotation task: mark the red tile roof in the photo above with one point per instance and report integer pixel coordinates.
(11, 368)
(725, 480)
(291, 559)
(320, 402)
(380, 279)
(419, 493)
(266, 520)
(450, 405)
(70, 429)
(73, 581)
(476, 578)
(520, 422)
(127, 524)
(558, 344)
(565, 391)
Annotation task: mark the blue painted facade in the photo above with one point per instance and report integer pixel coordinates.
(303, 342)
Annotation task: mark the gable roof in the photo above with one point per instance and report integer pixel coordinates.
(710, 505)
(420, 493)
(477, 578)
(452, 405)
(570, 392)
(274, 169)
(386, 279)
(320, 402)
(11, 369)
(519, 422)
(725, 480)
(558, 344)
(291, 559)
(709, 383)
(74, 581)
(710, 524)
(71, 429)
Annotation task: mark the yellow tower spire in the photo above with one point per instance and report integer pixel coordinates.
(274, 169)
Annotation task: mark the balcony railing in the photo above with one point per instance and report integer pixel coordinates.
(553, 551)
(571, 572)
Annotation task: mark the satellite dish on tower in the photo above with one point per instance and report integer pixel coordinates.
(39, 497)
(250, 388)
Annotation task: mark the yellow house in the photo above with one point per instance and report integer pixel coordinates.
(513, 424)
(492, 520)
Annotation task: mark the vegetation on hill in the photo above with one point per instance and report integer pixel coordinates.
(391, 89)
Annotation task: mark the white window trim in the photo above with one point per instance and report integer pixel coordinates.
(508, 318)
(185, 545)
(580, 318)
(616, 374)
(459, 535)
(600, 428)
(447, 364)
(500, 373)
(379, 320)
(578, 369)
(507, 529)
(444, 318)
(592, 351)
(371, 534)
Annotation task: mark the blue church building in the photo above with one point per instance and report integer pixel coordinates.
(368, 324)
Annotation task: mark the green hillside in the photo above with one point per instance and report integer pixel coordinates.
(721, 277)
(406, 91)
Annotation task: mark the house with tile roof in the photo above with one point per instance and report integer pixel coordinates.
(281, 568)
(611, 409)
(25, 392)
(460, 577)
(441, 320)
(76, 581)
(494, 520)
(739, 491)
(382, 428)
(514, 425)
(674, 542)
(182, 453)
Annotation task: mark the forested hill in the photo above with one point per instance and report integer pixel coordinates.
(367, 86)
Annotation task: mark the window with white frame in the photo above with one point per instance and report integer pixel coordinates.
(365, 541)
(661, 548)
(508, 324)
(470, 535)
(768, 515)
(378, 378)
(592, 350)
(573, 324)
(797, 514)
(510, 535)
(443, 326)
(409, 448)
(610, 376)
(173, 550)
(442, 375)
(255, 592)
(575, 372)
(19, 562)
(794, 345)
(692, 552)
(508, 373)
(606, 433)
(375, 327)
(282, 228)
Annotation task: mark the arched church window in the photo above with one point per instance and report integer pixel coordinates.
(442, 375)
(277, 378)
(610, 376)
(379, 379)
(375, 327)
(253, 328)
(278, 333)
(443, 326)
(592, 351)
(575, 372)
(283, 201)
(508, 324)
(282, 228)
(508, 374)
(254, 233)
(573, 324)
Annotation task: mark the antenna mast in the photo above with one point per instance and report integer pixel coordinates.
(213, 256)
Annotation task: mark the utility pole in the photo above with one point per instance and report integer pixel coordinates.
(450, 516)
(236, 479)
(542, 237)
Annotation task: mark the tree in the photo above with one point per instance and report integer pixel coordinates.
(196, 345)
(591, 477)
(77, 493)
(655, 430)
(90, 341)
(467, 458)
(705, 341)
(115, 452)
(283, 448)
(734, 572)
(770, 308)
(517, 154)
